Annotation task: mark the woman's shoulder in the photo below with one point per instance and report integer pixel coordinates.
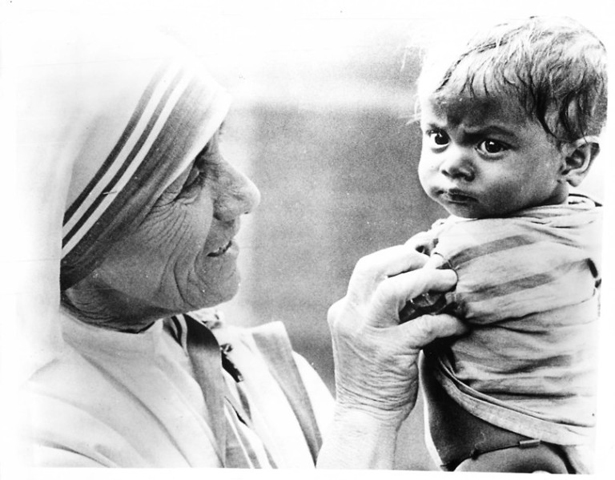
(67, 397)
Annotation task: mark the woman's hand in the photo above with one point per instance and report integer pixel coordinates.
(376, 367)
(375, 357)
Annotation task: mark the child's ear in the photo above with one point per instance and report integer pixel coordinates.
(578, 158)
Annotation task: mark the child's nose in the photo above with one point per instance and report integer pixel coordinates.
(237, 195)
(458, 164)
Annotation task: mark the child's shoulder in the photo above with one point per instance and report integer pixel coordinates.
(577, 211)
(547, 229)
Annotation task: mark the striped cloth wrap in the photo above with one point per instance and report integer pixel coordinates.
(528, 286)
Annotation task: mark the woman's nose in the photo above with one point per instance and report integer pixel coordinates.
(457, 163)
(237, 195)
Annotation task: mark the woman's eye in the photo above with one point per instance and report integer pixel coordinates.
(491, 147)
(438, 137)
(193, 178)
(204, 167)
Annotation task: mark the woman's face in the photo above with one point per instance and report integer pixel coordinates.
(182, 257)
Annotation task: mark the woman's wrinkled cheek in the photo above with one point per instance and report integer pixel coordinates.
(163, 262)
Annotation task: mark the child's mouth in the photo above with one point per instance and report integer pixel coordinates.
(456, 196)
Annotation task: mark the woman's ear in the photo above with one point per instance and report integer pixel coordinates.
(578, 158)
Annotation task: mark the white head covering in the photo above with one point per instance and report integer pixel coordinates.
(105, 122)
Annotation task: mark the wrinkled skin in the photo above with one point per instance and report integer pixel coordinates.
(375, 356)
(179, 259)
(376, 371)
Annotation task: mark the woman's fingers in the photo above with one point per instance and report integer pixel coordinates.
(375, 268)
(375, 357)
(394, 292)
(383, 282)
(409, 285)
(424, 330)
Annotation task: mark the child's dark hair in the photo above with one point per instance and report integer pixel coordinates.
(555, 67)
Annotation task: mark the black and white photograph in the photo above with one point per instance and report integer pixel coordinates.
(330, 237)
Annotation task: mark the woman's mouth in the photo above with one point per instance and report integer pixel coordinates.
(221, 251)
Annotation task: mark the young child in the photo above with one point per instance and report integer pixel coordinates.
(509, 126)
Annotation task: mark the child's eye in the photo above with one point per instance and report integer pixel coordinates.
(491, 147)
(438, 137)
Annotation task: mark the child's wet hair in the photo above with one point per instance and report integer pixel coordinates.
(555, 67)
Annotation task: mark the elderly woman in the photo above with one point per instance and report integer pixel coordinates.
(135, 210)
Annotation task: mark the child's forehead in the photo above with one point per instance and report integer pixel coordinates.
(474, 109)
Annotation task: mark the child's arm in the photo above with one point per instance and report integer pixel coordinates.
(510, 270)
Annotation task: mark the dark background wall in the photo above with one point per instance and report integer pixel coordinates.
(336, 166)
(336, 185)
(325, 129)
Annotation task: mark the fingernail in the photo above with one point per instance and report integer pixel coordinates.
(435, 261)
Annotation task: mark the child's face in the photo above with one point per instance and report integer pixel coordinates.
(485, 159)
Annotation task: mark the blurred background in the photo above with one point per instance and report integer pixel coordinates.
(322, 122)
(328, 140)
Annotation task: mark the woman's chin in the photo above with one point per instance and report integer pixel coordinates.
(218, 293)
